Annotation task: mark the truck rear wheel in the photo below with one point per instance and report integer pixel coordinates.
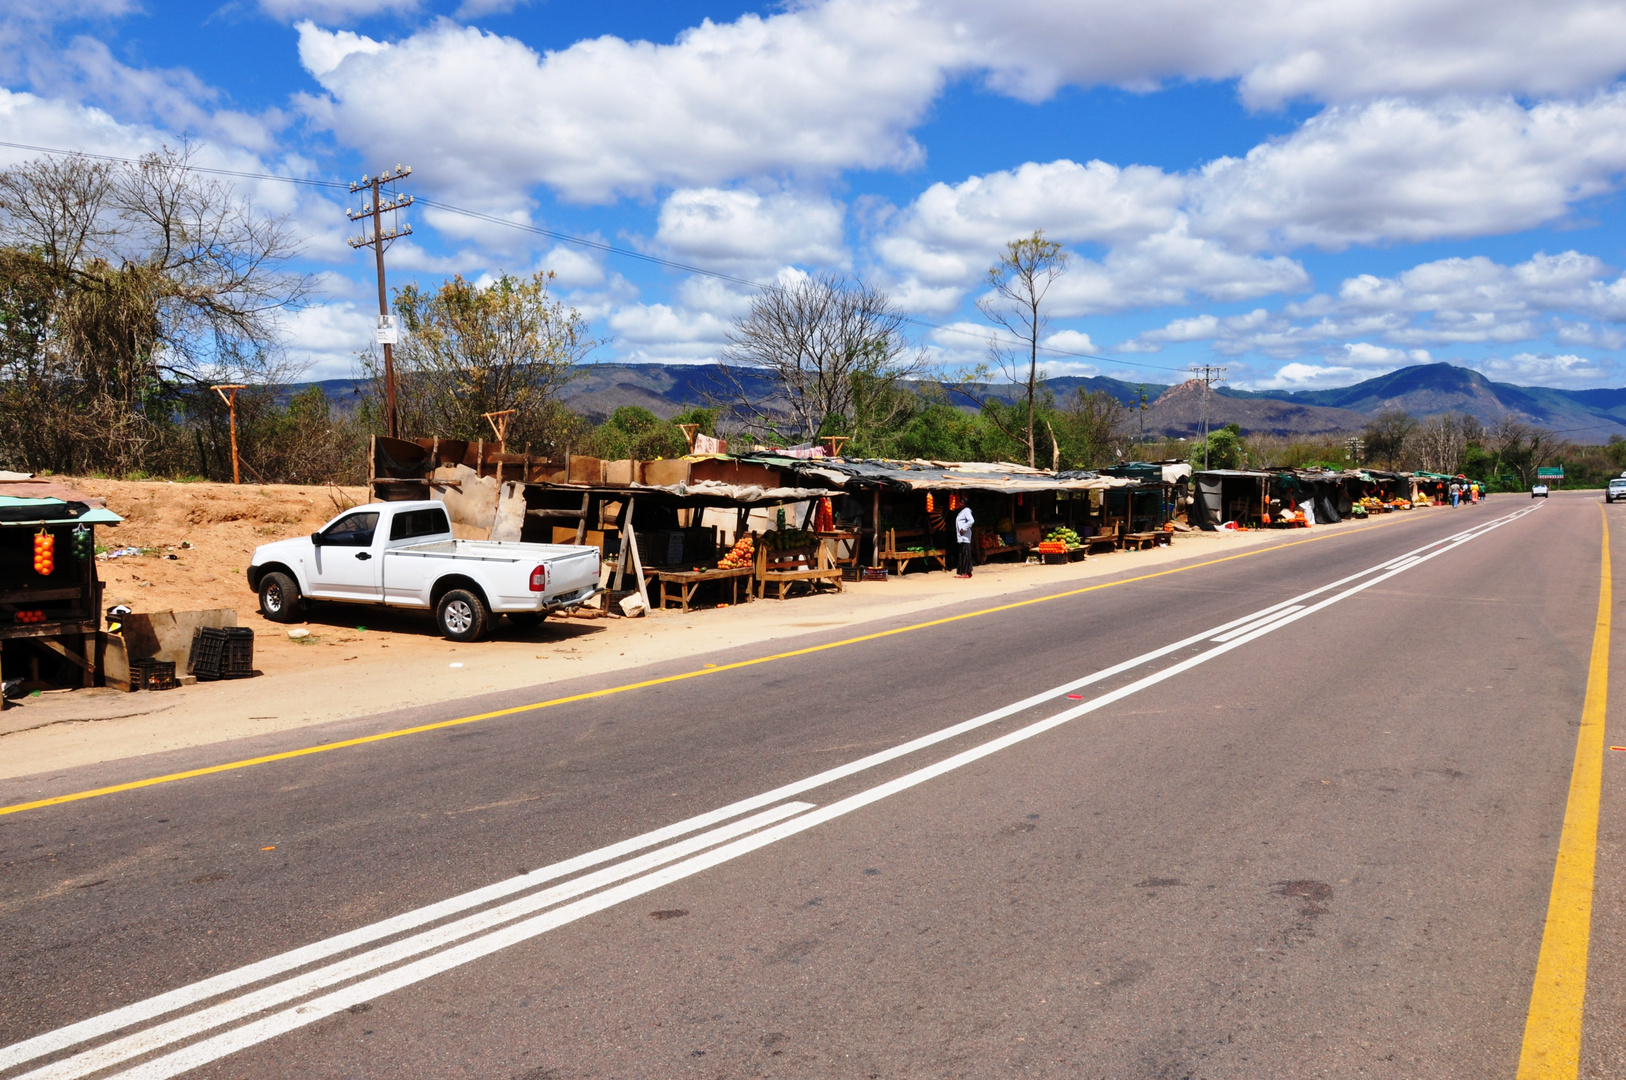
(462, 616)
(279, 598)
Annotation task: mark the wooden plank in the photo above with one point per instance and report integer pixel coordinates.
(556, 513)
(63, 650)
(30, 596)
(631, 542)
(581, 523)
(46, 630)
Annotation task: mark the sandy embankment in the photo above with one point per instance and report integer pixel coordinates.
(360, 661)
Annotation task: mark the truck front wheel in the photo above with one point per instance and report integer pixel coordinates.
(462, 616)
(279, 598)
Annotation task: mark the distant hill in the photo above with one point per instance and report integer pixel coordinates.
(1583, 416)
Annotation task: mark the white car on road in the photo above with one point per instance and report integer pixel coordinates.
(1616, 489)
(1539, 491)
(402, 554)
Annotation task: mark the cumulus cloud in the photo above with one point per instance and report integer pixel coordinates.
(1279, 50)
(815, 90)
(747, 231)
(1408, 171)
(942, 244)
(1545, 369)
(322, 339)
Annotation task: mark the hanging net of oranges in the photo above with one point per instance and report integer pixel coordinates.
(44, 553)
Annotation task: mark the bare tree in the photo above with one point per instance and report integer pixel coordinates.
(1524, 448)
(834, 348)
(1019, 281)
(469, 350)
(1386, 436)
(126, 290)
(1438, 443)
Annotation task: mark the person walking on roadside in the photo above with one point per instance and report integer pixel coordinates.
(1456, 493)
(962, 538)
(1473, 492)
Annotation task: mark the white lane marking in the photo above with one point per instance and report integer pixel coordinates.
(234, 1009)
(117, 1019)
(268, 1027)
(226, 982)
(1239, 631)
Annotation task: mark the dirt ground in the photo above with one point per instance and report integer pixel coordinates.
(197, 539)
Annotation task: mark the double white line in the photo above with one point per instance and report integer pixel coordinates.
(268, 1011)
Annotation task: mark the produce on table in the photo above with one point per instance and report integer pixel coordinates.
(783, 539)
(31, 616)
(1064, 535)
(739, 556)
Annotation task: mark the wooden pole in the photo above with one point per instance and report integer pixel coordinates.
(231, 405)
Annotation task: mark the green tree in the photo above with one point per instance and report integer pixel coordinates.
(1225, 450)
(468, 350)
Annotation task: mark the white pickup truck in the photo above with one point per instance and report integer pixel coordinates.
(402, 554)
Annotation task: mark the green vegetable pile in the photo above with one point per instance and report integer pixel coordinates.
(1064, 535)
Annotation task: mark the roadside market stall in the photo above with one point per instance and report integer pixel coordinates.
(50, 593)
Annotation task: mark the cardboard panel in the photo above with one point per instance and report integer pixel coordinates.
(563, 535)
(666, 472)
(733, 472)
(622, 473)
(586, 470)
(167, 635)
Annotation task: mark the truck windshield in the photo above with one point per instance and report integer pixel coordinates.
(352, 530)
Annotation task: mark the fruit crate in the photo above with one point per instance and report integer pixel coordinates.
(238, 662)
(152, 674)
(207, 657)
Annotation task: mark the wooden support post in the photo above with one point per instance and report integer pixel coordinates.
(626, 538)
(581, 526)
(875, 533)
(231, 405)
(630, 542)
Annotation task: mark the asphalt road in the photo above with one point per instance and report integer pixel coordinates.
(1320, 845)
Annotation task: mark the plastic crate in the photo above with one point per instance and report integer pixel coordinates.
(873, 573)
(152, 674)
(238, 662)
(207, 657)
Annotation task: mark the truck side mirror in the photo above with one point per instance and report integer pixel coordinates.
(316, 539)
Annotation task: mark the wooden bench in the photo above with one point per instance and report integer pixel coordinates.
(797, 566)
(688, 582)
(1107, 539)
(1140, 541)
(891, 554)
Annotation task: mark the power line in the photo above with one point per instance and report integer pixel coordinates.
(580, 241)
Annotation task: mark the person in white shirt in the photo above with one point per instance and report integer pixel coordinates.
(962, 536)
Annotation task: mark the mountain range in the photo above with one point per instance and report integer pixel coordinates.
(1581, 416)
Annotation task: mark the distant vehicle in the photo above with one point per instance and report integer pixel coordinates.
(1539, 491)
(402, 554)
(1616, 489)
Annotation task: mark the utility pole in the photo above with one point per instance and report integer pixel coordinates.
(378, 240)
(1209, 374)
(1141, 393)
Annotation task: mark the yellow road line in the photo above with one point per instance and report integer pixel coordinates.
(1552, 1031)
(323, 748)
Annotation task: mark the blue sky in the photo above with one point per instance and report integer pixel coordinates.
(1307, 194)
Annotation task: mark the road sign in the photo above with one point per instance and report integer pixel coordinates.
(1554, 472)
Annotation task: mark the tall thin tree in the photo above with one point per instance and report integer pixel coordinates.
(1018, 284)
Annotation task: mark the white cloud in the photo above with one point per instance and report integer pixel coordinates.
(321, 51)
(943, 243)
(323, 339)
(816, 90)
(748, 231)
(1283, 49)
(1545, 369)
(1407, 171)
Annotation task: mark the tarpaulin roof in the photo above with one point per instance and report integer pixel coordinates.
(733, 493)
(920, 474)
(18, 510)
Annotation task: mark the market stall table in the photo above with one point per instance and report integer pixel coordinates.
(688, 582)
(1140, 541)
